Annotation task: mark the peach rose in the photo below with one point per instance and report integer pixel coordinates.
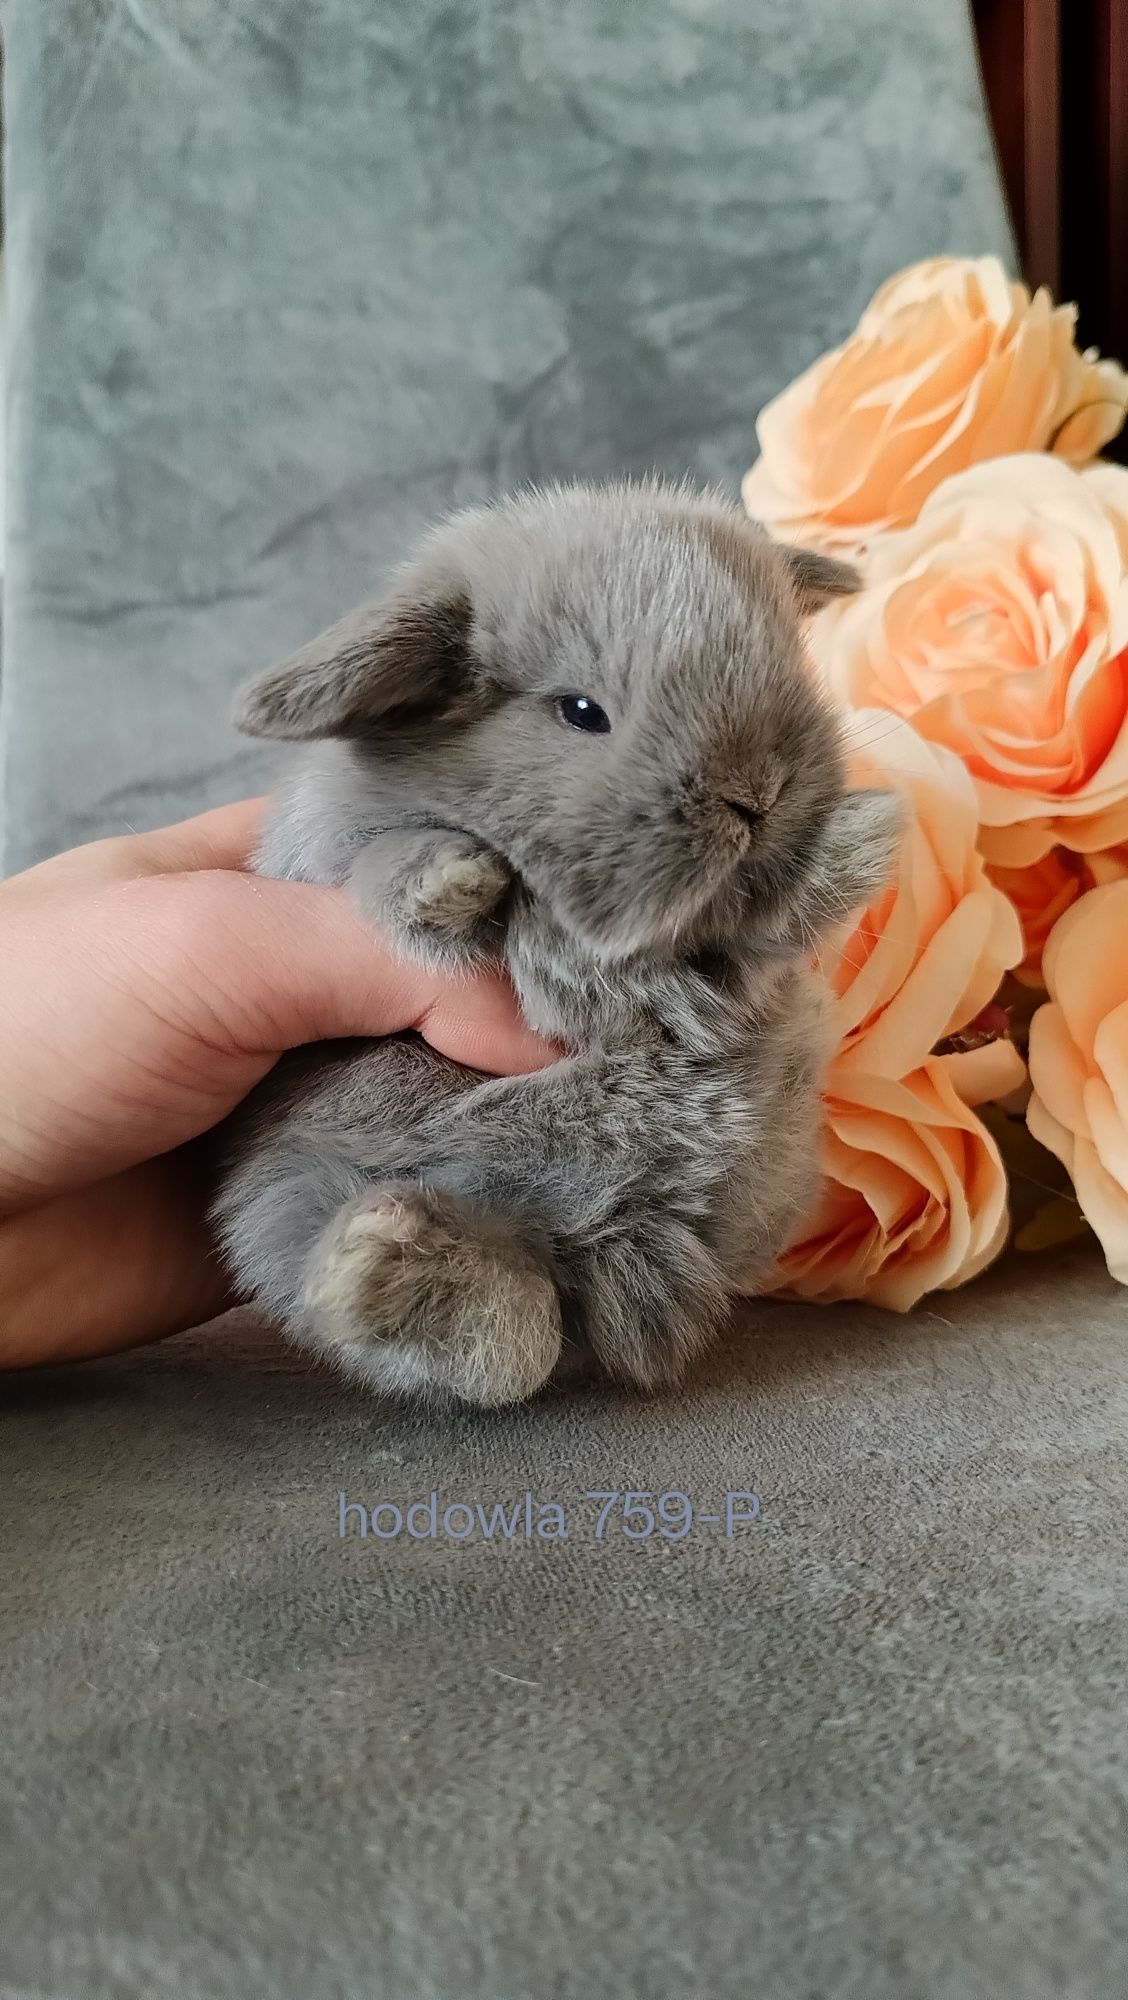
(1109, 866)
(914, 1197)
(951, 364)
(915, 1194)
(999, 624)
(1079, 1062)
(1044, 890)
(1041, 893)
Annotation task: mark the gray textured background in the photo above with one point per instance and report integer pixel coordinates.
(285, 280)
(288, 280)
(873, 1748)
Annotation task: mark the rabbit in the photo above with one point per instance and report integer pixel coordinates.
(578, 736)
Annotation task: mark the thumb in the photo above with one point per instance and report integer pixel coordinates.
(290, 963)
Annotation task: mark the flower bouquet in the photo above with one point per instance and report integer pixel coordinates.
(950, 448)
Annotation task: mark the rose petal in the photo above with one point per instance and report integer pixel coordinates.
(951, 364)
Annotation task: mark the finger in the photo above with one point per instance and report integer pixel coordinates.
(479, 1024)
(167, 998)
(222, 838)
(262, 966)
(107, 1267)
(332, 976)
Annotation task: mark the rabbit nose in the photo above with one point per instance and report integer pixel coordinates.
(751, 815)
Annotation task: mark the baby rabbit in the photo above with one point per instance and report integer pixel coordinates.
(577, 736)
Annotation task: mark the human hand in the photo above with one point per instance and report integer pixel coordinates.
(149, 983)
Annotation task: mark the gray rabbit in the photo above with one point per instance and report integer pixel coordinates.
(578, 736)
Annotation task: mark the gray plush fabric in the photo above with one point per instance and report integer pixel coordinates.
(288, 280)
(284, 281)
(873, 1746)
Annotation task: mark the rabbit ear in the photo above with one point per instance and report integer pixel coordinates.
(816, 579)
(395, 659)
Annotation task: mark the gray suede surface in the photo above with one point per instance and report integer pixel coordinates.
(873, 1746)
(284, 281)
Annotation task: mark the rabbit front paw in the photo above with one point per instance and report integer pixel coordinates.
(860, 850)
(457, 886)
(437, 893)
(856, 857)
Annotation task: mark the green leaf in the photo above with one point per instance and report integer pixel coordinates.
(1059, 1222)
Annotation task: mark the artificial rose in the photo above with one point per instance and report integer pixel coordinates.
(1079, 1062)
(1044, 890)
(999, 624)
(914, 1196)
(1041, 893)
(951, 364)
(931, 951)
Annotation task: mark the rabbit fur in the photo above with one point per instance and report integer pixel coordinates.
(656, 889)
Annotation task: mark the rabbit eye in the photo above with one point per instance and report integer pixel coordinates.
(580, 712)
